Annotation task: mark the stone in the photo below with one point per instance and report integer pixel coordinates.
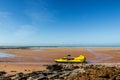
(65, 74)
(2, 73)
(54, 67)
(19, 74)
(5, 78)
(117, 77)
(22, 78)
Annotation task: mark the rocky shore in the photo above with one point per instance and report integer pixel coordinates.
(69, 72)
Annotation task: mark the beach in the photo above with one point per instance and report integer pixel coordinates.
(34, 59)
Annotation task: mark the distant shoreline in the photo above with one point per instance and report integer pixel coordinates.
(34, 47)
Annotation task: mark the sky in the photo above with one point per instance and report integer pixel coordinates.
(59, 22)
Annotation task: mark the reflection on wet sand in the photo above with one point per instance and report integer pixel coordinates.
(99, 57)
(3, 54)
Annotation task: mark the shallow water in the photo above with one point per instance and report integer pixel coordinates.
(3, 54)
(99, 57)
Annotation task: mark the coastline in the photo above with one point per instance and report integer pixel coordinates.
(28, 60)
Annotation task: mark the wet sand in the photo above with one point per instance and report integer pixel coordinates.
(113, 53)
(99, 57)
(27, 60)
(16, 68)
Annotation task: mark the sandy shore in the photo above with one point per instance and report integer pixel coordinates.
(27, 60)
(16, 68)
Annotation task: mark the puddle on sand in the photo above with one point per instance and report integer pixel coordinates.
(99, 57)
(3, 54)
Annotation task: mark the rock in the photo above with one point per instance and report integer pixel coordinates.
(11, 75)
(100, 78)
(30, 78)
(69, 72)
(5, 78)
(113, 77)
(47, 72)
(68, 68)
(19, 74)
(76, 72)
(2, 73)
(95, 72)
(118, 77)
(22, 78)
(54, 67)
(100, 66)
(37, 72)
(73, 74)
(76, 67)
(65, 74)
(33, 74)
(41, 77)
(52, 76)
(36, 76)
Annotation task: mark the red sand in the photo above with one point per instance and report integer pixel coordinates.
(27, 60)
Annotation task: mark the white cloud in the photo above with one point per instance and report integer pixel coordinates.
(25, 31)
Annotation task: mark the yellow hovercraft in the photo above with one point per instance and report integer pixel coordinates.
(70, 59)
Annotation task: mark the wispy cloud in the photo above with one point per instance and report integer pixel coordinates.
(25, 34)
(5, 19)
(41, 16)
(15, 29)
(25, 31)
(4, 15)
(38, 11)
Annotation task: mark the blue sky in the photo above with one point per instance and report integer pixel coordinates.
(59, 22)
